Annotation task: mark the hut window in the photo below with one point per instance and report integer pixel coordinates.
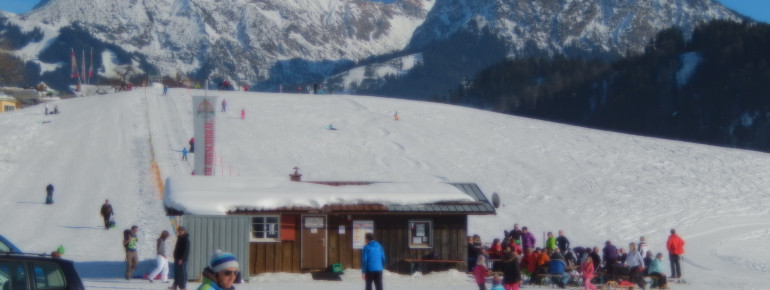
(265, 228)
(420, 234)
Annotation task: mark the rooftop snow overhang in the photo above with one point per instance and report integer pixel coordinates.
(206, 195)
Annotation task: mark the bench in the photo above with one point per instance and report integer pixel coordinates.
(421, 263)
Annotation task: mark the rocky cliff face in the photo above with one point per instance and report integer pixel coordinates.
(308, 40)
(242, 39)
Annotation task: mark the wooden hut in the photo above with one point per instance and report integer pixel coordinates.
(302, 226)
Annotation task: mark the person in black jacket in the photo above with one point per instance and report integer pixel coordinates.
(181, 254)
(515, 234)
(49, 194)
(511, 269)
(106, 213)
(471, 254)
(562, 242)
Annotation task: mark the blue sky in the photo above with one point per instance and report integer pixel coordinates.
(757, 9)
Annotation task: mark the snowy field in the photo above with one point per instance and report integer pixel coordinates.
(594, 185)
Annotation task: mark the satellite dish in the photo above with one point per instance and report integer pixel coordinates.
(496, 200)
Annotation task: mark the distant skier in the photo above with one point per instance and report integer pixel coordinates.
(107, 214)
(192, 145)
(243, 114)
(245, 88)
(332, 127)
(184, 153)
(49, 194)
(56, 109)
(46, 109)
(165, 89)
(395, 116)
(224, 105)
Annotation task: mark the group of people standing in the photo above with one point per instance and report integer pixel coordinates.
(517, 255)
(221, 272)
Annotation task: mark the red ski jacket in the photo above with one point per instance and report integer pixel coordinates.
(675, 245)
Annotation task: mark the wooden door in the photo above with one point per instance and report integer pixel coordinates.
(314, 242)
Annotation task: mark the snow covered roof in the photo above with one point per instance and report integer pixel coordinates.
(209, 195)
(4, 97)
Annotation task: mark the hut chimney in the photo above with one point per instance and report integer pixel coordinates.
(296, 176)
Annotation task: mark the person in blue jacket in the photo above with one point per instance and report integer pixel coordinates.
(372, 261)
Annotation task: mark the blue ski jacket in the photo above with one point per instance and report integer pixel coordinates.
(372, 257)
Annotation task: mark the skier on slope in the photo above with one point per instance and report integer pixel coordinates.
(106, 212)
(49, 194)
(192, 145)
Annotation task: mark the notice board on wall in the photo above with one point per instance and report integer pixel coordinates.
(360, 229)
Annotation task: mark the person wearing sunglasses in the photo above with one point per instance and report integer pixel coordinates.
(221, 272)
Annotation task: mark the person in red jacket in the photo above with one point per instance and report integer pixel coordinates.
(496, 249)
(515, 248)
(675, 246)
(529, 262)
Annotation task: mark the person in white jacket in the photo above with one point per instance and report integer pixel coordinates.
(162, 266)
(643, 248)
(635, 265)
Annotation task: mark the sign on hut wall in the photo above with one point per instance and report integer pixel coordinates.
(360, 228)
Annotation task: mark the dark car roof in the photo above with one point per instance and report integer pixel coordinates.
(71, 275)
(9, 245)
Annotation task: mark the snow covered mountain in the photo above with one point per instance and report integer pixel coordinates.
(575, 27)
(300, 41)
(241, 39)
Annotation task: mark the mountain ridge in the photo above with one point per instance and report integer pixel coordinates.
(303, 41)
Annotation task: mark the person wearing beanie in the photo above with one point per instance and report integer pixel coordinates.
(221, 272)
(511, 271)
(372, 261)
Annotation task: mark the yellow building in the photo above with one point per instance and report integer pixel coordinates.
(8, 103)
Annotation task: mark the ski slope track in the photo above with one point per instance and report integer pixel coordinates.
(595, 185)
